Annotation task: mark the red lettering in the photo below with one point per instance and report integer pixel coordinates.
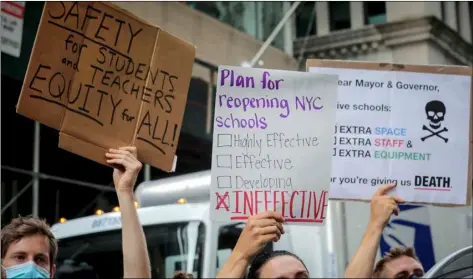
(221, 201)
(257, 201)
(266, 200)
(324, 193)
(248, 203)
(237, 201)
(303, 203)
(295, 206)
(291, 204)
(283, 204)
(275, 200)
(308, 207)
(316, 206)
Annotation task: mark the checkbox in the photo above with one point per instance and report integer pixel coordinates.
(224, 140)
(223, 201)
(224, 161)
(224, 181)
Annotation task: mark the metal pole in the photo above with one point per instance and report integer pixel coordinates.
(288, 38)
(147, 172)
(36, 170)
(344, 238)
(210, 108)
(14, 207)
(61, 179)
(12, 201)
(57, 205)
(3, 193)
(273, 35)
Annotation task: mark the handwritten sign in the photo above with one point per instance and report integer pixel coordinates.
(403, 124)
(272, 144)
(104, 79)
(12, 15)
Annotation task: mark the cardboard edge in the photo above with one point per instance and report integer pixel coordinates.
(443, 69)
(89, 151)
(130, 14)
(29, 70)
(383, 66)
(127, 13)
(470, 165)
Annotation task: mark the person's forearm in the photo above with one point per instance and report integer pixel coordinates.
(235, 267)
(135, 252)
(362, 263)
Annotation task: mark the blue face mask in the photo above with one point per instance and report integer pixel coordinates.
(26, 270)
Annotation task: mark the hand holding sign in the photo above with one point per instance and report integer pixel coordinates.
(127, 167)
(259, 231)
(383, 206)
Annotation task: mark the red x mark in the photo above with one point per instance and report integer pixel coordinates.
(221, 201)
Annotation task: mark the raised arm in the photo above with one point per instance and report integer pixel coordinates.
(259, 231)
(135, 252)
(382, 207)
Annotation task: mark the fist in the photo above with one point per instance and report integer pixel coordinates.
(383, 206)
(259, 231)
(126, 167)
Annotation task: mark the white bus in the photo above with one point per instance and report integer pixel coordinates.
(174, 213)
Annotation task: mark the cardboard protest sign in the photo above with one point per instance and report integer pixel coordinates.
(107, 79)
(272, 144)
(404, 124)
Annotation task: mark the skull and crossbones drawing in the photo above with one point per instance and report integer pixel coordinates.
(435, 111)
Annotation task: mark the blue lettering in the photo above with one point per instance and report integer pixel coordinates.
(107, 221)
(386, 131)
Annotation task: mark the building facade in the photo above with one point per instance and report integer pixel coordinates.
(399, 32)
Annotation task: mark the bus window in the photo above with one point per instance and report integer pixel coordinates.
(227, 239)
(172, 247)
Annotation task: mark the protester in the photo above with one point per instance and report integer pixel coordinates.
(29, 248)
(258, 232)
(400, 262)
(182, 275)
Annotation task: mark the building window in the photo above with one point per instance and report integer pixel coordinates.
(339, 15)
(209, 8)
(305, 19)
(375, 12)
(240, 15)
(257, 19)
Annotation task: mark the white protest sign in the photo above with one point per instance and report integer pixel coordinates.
(272, 144)
(12, 27)
(401, 124)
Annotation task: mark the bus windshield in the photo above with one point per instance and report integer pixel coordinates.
(172, 247)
